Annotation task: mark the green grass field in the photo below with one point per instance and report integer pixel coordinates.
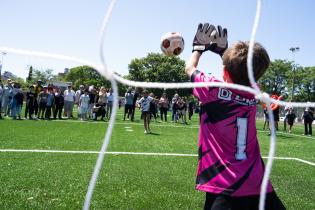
(59, 180)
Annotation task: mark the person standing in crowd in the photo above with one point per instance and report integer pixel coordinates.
(191, 107)
(276, 109)
(129, 99)
(174, 107)
(266, 118)
(290, 117)
(30, 100)
(59, 103)
(78, 94)
(92, 96)
(308, 117)
(84, 104)
(134, 102)
(18, 102)
(102, 101)
(144, 103)
(37, 89)
(163, 102)
(69, 99)
(285, 120)
(7, 97)
(181, 110)
(42, 101)
(50, 103)
(12, 93)
(119, 103)
(110, 101)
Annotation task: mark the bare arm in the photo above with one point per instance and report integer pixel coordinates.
(192, 64)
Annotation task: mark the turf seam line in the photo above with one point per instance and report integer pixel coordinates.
(136, 153)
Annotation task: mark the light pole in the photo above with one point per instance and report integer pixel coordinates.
(1, 64)
(293, 50)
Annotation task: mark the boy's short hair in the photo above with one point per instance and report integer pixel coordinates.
(145, 92)
(235, 60)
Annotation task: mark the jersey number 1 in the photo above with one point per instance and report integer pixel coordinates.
(241, 139)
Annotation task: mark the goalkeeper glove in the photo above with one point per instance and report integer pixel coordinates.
(220, 43)
(204, 37)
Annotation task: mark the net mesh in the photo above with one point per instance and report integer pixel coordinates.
(114, 78)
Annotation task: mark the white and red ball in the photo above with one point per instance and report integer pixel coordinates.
(172, 43)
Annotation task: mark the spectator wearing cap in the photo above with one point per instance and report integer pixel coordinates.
(30, 101)
(69, 96)
(37, 89)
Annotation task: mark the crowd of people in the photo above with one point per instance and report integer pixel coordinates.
(50, 102)
(290, 118)
(153, 107)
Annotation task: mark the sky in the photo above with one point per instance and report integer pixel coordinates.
(72, 27)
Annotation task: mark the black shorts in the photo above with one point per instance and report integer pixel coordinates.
(290, 122)
(225, 202)
(276, 115)
(145, 114)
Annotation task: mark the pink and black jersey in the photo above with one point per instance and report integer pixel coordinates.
(229, 155)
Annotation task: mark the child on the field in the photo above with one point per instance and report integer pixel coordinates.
(230, 168)
(290, 117)
(84, 104)
(266, 119)
(144, 103)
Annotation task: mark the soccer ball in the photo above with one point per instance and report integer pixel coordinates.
(172, 43)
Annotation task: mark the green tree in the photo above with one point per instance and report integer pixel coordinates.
(276, 78)
(30, 74)
(46, 76)
(305, 78)
(85, 75)
(156, 67)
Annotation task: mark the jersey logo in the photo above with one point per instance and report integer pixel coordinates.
(225, 94)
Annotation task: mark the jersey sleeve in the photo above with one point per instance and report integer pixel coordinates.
(202, 93)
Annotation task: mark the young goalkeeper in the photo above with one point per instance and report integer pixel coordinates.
(230, 168)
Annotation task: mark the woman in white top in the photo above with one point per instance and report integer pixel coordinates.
(69, 96)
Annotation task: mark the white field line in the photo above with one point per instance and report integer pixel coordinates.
(134, 153)
(174, 125)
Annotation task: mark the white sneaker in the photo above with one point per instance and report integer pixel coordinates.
(145, 131)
